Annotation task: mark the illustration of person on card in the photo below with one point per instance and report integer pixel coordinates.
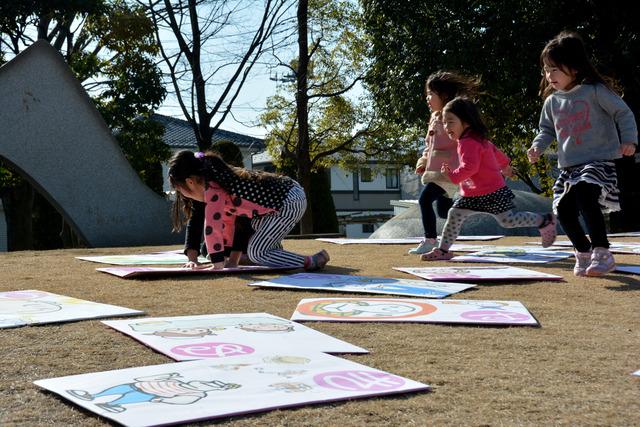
(178, 333)
(354, 308)
(163, 388)
(270, 327)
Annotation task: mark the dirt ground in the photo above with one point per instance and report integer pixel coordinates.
(574, 370)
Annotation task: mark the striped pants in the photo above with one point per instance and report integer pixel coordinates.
(265, 246)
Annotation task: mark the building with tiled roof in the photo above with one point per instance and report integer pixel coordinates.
(178, 134)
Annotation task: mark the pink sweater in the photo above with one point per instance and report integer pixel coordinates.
(480, 167)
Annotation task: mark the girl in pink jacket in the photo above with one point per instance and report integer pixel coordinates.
(273, 203)
(441, 87)
(480, 180)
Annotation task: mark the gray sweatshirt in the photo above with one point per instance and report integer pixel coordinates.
(589, 122)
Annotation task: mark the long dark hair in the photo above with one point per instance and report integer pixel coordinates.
(448, 84)
(203, 167)
(466, 110)
(567, 51)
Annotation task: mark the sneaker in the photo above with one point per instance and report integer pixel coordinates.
(425, 246)
(317, 261)
(437, 254)
(583, 260)
(548, 230)
(602, 262)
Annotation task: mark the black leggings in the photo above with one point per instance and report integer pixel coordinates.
(430, 193)
(582, 199)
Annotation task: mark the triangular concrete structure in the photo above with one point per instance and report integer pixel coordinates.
(54, 136)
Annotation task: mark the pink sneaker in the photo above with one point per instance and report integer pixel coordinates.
(317, 261)
(583, 261)
(602, 262)
(436, 254)
(548, 230)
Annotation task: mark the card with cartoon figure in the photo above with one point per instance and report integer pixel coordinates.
(364, 284)
(397, 241)
(477, 274)
(414, 310)
(135, 272)
(206, 389)
(514, 255)
(32, 307)
(158, 258)
(227, 336)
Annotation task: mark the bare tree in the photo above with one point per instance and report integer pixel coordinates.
(330, 121)
(209, 48)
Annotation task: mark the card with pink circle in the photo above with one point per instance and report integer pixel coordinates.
(226, 336)
(414, 310)
(216, 388)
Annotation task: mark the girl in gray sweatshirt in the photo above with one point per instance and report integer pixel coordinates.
(593, 126)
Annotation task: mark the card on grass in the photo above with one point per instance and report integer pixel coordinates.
(414, 310)
(227, 335)
(614, 247)
(205, 389)
(633, 269)
(402, 241)
(159, 258)
(32, 307)
(510, 255)
(138, 271)
(477, 273)
(364, 284)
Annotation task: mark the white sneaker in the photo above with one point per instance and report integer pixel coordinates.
(583, 261)
(602, 262)
(425, 246)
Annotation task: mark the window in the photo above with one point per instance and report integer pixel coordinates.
(366, 175)
(392, 178)
(367, 228)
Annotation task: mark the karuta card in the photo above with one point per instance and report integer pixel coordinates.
(414, 310)
(32, 307)
(226, 336)
(365, 284)
(207, 389)
(473, 274)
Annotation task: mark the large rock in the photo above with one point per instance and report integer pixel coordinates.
(409, 224)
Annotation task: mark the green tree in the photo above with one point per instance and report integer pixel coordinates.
(317, 119)
(501, 43)
(110, 47)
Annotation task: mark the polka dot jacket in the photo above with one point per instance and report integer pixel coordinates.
(230, 196)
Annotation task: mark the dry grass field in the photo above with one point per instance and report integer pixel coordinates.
(574, 370)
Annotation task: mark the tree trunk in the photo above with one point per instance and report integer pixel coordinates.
(302, 101)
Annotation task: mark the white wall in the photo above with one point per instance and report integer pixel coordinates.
(354, 231)
(341, 180)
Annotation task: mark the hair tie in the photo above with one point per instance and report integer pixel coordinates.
(198, 155)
